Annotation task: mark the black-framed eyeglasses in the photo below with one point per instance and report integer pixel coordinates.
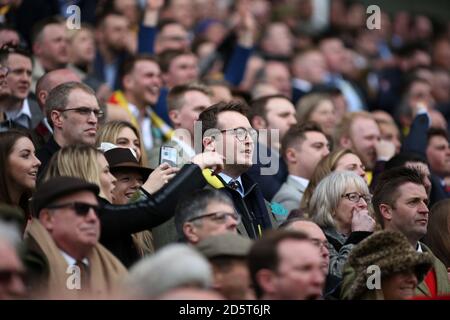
(81, 208)
(86, 112)
(241, 133)
(219, 217)
(356, 197)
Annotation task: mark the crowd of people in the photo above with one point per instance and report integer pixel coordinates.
(205, 149)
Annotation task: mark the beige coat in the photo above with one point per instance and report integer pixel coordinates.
(45, 260)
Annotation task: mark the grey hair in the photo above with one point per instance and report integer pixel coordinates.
(174, 266)
(9, 232)
(328, 194)
(195, 206)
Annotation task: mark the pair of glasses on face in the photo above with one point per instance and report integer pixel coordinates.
(86, 112)
(219, 217)
(81, 209)
(319, 244)
(242, 133)
(356, 197)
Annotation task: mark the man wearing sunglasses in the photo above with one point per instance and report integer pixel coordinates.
(64, 257)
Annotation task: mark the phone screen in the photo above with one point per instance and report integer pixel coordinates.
(168, 155)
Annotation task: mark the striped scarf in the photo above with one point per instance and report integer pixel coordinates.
(118, 98)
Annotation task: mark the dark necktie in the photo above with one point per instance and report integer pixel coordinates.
(84, 274)
(235, 185)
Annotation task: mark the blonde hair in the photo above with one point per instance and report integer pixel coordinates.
(306, 105)
(81, 161)
(75, 161)
(323, 169)
(110, 131)
(73, 33)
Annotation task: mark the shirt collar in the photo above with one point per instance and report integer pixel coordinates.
(25, 109)
(302, 84)
(226, 178)
(419, 248)
(71, 261)
(47, 125)
(134, 110)
(304, 182)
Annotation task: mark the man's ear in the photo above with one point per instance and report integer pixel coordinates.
(258, 122)
(37, 48)
(266, 280)
(46, 219)
(42, 96)
(291, 155)
(174, 116)
(386, 212)
(346, 142)
(56, 117)
(190, 233)
(127, 82)
(209, 143)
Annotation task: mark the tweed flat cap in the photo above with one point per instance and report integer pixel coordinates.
(391, 252)
(227, 244)
(58, 187)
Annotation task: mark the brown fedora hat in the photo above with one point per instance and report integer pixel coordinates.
(120, 159)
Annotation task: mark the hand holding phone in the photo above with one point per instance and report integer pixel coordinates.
(168, 155)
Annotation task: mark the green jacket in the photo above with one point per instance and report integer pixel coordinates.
(443, 285)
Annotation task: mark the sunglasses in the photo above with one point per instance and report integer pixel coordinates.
(81, 209)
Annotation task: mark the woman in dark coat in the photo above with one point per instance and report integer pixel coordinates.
(119, 222)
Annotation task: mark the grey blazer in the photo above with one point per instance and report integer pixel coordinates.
(289, 195)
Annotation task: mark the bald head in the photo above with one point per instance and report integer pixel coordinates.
(315, 233)
(51, 80)
(311, 229)
(190, 294)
